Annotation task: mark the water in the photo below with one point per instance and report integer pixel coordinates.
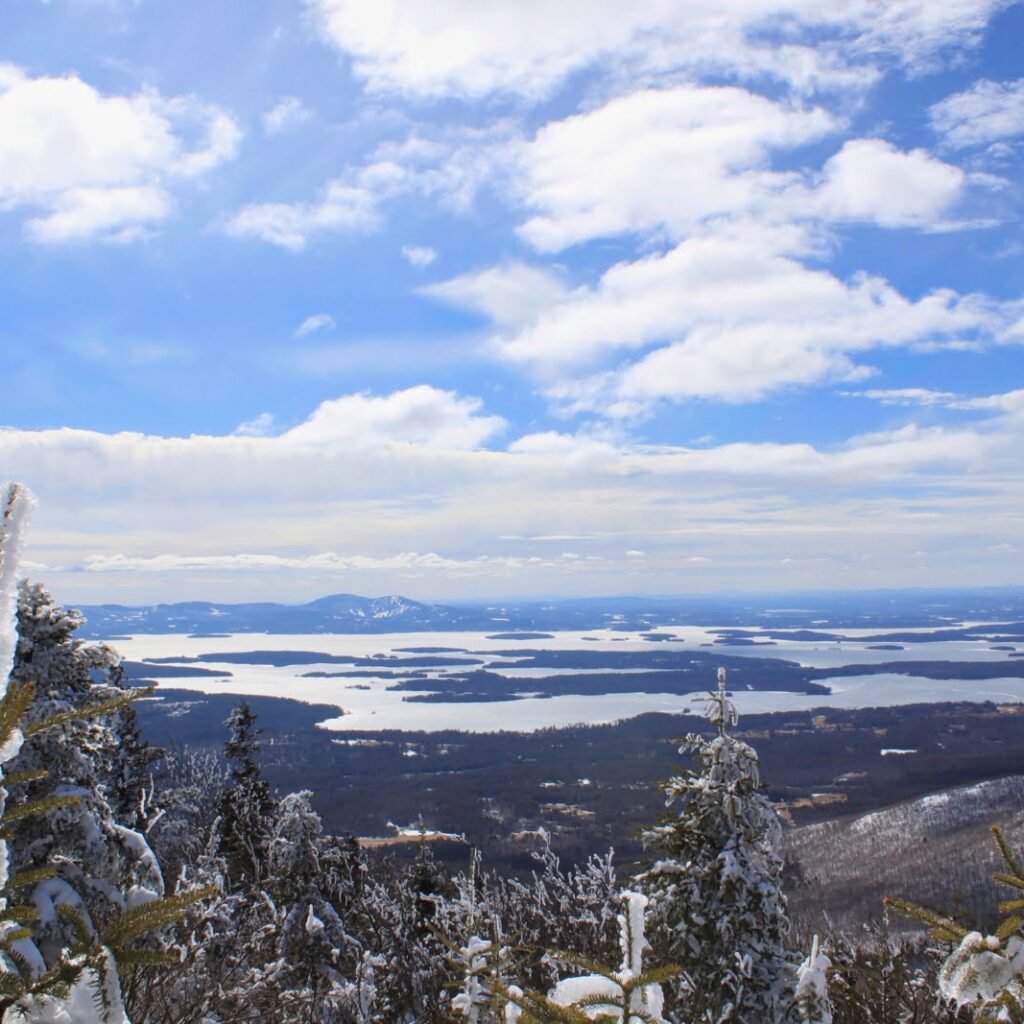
(369, 704)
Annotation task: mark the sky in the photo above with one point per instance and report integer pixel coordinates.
(523, 298)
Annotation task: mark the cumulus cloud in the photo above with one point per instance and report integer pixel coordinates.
(259, 426)
(419, 255)
(724, 317)
(421, 415)
(286, 113)
(669, 158)
(871, 180)
(342, 207)
(314, 323)
(105, 166)
(531, 47)
(308, 504)
(987, 112)
(510, 294)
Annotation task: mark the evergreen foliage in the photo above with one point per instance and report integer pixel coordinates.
(983, 972)
(717, 905)
(629, 995)
(246, 807)
(58, 962)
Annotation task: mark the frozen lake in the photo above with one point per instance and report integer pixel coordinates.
(368, 703)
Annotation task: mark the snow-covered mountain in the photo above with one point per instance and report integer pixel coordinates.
(337, 613)
(936, 850)
(824, 613)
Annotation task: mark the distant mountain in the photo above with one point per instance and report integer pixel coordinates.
(936, 850)
(338, 613)
(349, 613)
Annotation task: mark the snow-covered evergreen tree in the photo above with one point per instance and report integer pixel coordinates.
(314, 946)
(246, 807)
(131, 789)
(629, 995)
(108, 864)
(43, 979)
(811, 991)
(717, 905)
(558, 908)
(982, 973)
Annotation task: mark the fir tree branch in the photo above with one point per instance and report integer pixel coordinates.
(146, 917)
(105, 707)
(1009, 857)
(943, 928)
(33, 807)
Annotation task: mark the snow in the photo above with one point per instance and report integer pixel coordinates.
(978, 970)
(142, 854)
(81, 1005)
(17, 504)
(11, 749)
(313, 925)
(378, 708)
(812, 986)
(474, 995)
(94, 996)
(605, 995)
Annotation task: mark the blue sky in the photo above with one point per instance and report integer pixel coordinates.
(522, 298)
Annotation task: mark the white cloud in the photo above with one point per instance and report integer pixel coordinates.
(530, 47)
(342, 207)
(314, 323)
(871, 180)
(419, 255)
(905, 396)
(668, 158)
(302, 507)
(450, 169)
(725, 317)
(420, 415)
(1008, 402)
(288, 112)
(987, 112)
(406, 563)
(512, 294)
(104, 166)
(115, 214)
(259, 426)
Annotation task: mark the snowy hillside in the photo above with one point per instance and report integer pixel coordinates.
(937, 850)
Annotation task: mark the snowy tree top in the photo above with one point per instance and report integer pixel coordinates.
(718, 708)
(17, 503)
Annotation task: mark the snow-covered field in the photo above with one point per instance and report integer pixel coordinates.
(369, 704)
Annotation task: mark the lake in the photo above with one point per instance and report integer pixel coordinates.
(370, 702)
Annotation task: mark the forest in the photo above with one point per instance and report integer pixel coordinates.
(149, 885)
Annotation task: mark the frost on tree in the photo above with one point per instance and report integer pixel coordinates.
(90, 994)
(629, 995)
(110, 864)
(245, 809)
(58, 962)
(983, 972)
(717, 906)
(811, 994)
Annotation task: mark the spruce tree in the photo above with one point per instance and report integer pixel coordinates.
(131, 790)
(246, 807)
(74, 981)
(716, 901)
(99, 855)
